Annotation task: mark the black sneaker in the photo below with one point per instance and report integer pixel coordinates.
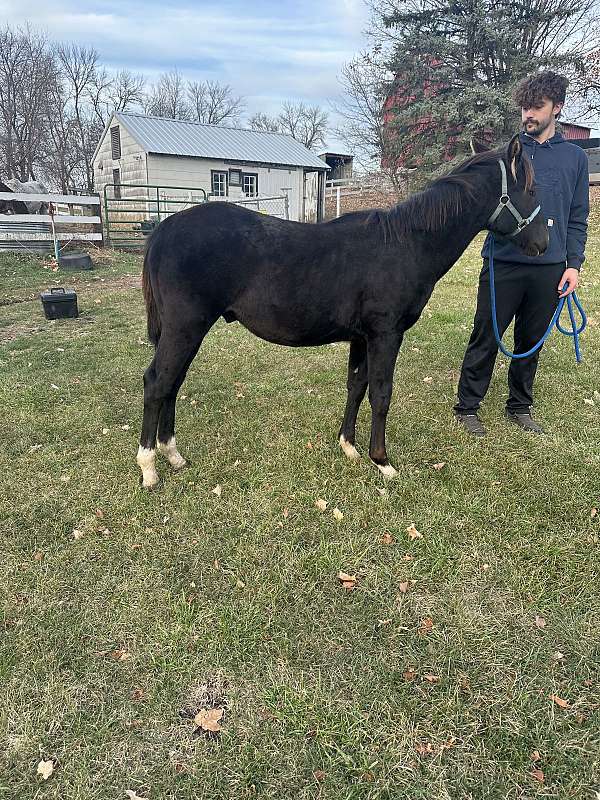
(470, 422)
(524, 420)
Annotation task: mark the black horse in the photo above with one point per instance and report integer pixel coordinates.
(363, 278)
(11, 206)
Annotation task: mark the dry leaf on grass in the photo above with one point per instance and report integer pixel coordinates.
(133, 796)
(319, 775)
(321, 504)
(45, 769)
(538, 775)
(413, 533)
(217, 490)
(559, 701)
(594, 512)
(387, 538)
(120, 655)
(431, 678)
(540, 622)
(426, 625)
(535, 756)
(207, 719)
(77, 534)
(439, 466)
(338, 514)
(348, 581)
(424, 748)
(404, 586)
(409, 674)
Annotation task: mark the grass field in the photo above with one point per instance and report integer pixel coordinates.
(465, 661)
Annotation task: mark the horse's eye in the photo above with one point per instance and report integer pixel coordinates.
(532, 192)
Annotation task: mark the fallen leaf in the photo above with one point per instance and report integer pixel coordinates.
(404, 586)
(424, 748)
(125, 427)
(538, 775)
(321, 504)
(38, 556)
(589, 401)
(319, 775)
(559, 701)
(65, 478)
(120, 655)
(594, 512)
(286, 512)
(348, 581)
(105, 431)
(240, 584)
(338, 514)
(237, 462)
(382, 622)
(387, 538)
(217, 490)
(208, 719)
(309, 445)
(540, 622)
(409, 674)
(99, 513)
(428, 380)
(133, 796)
(77, 534)
(426, 625)
(45, 769)
(431, 678)
(439, 466)
(535, 756)
(413, 533)
(138, 694)
(558, 656)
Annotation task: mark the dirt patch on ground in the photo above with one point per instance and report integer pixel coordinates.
(12, 332)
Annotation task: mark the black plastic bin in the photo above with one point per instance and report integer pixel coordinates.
(59, 303)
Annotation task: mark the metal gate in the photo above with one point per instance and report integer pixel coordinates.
(132, 210)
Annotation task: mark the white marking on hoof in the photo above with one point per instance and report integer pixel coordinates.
(170, 452)
(349, 449)
(387, 470)
(145, 459)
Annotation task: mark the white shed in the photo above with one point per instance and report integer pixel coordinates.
(181, 158)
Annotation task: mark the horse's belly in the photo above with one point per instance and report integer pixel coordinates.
(288, 327)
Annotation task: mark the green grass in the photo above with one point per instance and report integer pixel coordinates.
(233, 601)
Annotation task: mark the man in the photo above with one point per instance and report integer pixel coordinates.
(528, 288)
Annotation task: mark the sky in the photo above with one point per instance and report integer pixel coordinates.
(268, 51)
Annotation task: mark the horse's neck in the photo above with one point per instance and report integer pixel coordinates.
(446, 246)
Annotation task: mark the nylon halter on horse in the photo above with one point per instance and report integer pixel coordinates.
(505, 202)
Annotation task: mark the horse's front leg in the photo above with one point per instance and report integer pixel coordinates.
(357, 386)
(382, 355)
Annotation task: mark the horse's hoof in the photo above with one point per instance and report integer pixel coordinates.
(349, 450)
(178, 464)
(387, 470)
(150, 484)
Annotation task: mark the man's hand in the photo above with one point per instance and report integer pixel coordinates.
(570, 276)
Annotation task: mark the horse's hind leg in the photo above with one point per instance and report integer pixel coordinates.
(166, 419)
(357, 386)
(174, 353)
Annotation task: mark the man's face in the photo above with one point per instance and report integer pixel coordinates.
(536, 119)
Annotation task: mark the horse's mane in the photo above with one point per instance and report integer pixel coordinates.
(429, 210)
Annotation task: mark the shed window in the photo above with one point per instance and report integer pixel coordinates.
(117, 183)
(235, 177)
(219, 183)
(115, 142)
(250, 184)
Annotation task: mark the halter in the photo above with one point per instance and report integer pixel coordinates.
(505, 202)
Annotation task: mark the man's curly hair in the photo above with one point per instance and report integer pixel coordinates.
(533, 90)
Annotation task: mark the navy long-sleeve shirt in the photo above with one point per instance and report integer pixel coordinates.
(562, 185)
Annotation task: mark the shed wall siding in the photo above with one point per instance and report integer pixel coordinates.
(132, 164)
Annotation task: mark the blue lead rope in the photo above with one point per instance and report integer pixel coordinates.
(571, 299)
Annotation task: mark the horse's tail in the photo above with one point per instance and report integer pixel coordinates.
(151, 308)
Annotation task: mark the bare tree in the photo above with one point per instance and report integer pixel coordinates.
(214, 103)
(26, 74)
(262, 122)
(79, 68)
(119, 92)
(306, 124)
(167, 98)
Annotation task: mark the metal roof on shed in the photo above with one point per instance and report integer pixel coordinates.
(180, 138)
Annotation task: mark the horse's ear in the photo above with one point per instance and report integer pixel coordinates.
(477, 146)
(514, 153)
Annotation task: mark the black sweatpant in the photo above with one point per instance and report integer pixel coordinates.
(528, 294)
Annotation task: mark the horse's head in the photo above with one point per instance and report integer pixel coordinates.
(516, 213)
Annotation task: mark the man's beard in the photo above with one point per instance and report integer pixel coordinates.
(538, 128)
